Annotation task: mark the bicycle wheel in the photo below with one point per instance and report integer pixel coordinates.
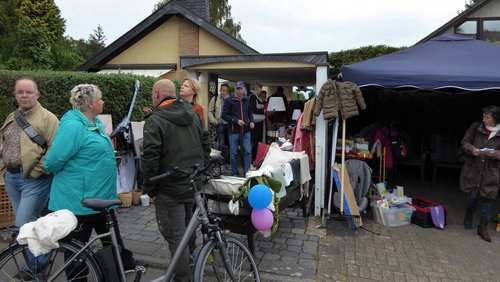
(14, 266)
(210, 266)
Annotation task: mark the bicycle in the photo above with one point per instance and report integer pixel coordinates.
(221, 257)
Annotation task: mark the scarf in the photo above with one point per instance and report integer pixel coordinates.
(493, 130)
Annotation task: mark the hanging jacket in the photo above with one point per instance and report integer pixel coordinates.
(335, 96)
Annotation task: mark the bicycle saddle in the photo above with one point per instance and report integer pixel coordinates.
(99, 204)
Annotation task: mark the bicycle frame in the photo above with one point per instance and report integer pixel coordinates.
(111, 234)
(199, 217)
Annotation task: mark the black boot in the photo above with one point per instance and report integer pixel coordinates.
(482, 229)
(468, 219)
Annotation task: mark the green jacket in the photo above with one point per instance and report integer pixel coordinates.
(83, 161)
(173, 137)
(32, 155)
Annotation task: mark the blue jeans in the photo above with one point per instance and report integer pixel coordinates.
(221, 130)
(234, 141)
(28, 197)
(486, 204)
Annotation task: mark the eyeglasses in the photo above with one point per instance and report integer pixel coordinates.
(27, 92)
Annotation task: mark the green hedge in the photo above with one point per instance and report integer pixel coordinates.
(55, 87)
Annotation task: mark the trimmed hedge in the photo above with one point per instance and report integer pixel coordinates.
(117, 91)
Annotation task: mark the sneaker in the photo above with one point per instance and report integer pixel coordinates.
(192, 258)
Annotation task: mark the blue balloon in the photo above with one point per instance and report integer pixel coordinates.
(260, 196)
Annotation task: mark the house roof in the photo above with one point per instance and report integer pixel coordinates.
(270, 69)
(152, 22)
(456, 20)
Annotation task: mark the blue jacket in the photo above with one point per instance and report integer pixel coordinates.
(83, 162)
(235, 109)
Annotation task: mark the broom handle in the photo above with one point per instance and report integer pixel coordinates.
(342, 175)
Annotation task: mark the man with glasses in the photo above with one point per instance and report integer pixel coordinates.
(24, 138)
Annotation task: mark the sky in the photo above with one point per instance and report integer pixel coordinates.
(282, 26)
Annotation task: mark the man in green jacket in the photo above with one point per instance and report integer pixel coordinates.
(173, 137)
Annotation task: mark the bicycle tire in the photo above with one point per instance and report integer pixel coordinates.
(14, 258)
(210, 267)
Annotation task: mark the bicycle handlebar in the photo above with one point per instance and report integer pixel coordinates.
(177, 174)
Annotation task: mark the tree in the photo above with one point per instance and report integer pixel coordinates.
(8, 24)
(469, 3)
(44, 15)
(220, 16)
(31, 51)
(96, 41)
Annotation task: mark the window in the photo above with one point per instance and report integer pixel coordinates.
(491, 30)
(468, 28)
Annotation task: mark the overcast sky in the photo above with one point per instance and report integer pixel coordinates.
(272, 26)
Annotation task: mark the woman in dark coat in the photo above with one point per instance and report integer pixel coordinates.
(479, 177)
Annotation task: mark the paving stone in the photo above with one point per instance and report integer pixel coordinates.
(293, 248)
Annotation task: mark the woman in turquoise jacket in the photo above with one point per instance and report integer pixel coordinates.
(83, 162)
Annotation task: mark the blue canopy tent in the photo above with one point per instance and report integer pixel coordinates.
(447, 61)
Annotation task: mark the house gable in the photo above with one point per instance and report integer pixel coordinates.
(480, 21)
(153, 48)
(211, 45)
(188, 24)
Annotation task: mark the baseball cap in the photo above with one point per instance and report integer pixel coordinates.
(240, 84)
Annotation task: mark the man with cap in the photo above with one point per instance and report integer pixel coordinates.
(236, 112)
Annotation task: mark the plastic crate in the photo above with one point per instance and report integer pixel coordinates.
(422, 215)
(7, 217)
(395, 216)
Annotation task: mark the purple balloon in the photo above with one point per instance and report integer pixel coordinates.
(262, 220)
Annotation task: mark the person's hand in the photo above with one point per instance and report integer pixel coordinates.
(241, 122)
(252, 124)
(476, 152)
(147, 110)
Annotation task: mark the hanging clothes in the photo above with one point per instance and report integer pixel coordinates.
(335, 96)
(308, 118)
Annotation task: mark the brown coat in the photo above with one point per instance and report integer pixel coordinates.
(335, 96)
(480, 172)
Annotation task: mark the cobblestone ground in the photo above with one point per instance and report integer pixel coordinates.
(289, 255)
(413, 253)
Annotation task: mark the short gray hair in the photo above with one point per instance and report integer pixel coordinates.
(82, 95)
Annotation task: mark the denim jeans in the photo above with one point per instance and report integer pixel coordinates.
(234, 141)
(28, 197)
(486, 204)
(221, 130)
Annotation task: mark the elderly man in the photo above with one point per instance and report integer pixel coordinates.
(23, 152)
(237, 113)
(24, 138)
(173, 137)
